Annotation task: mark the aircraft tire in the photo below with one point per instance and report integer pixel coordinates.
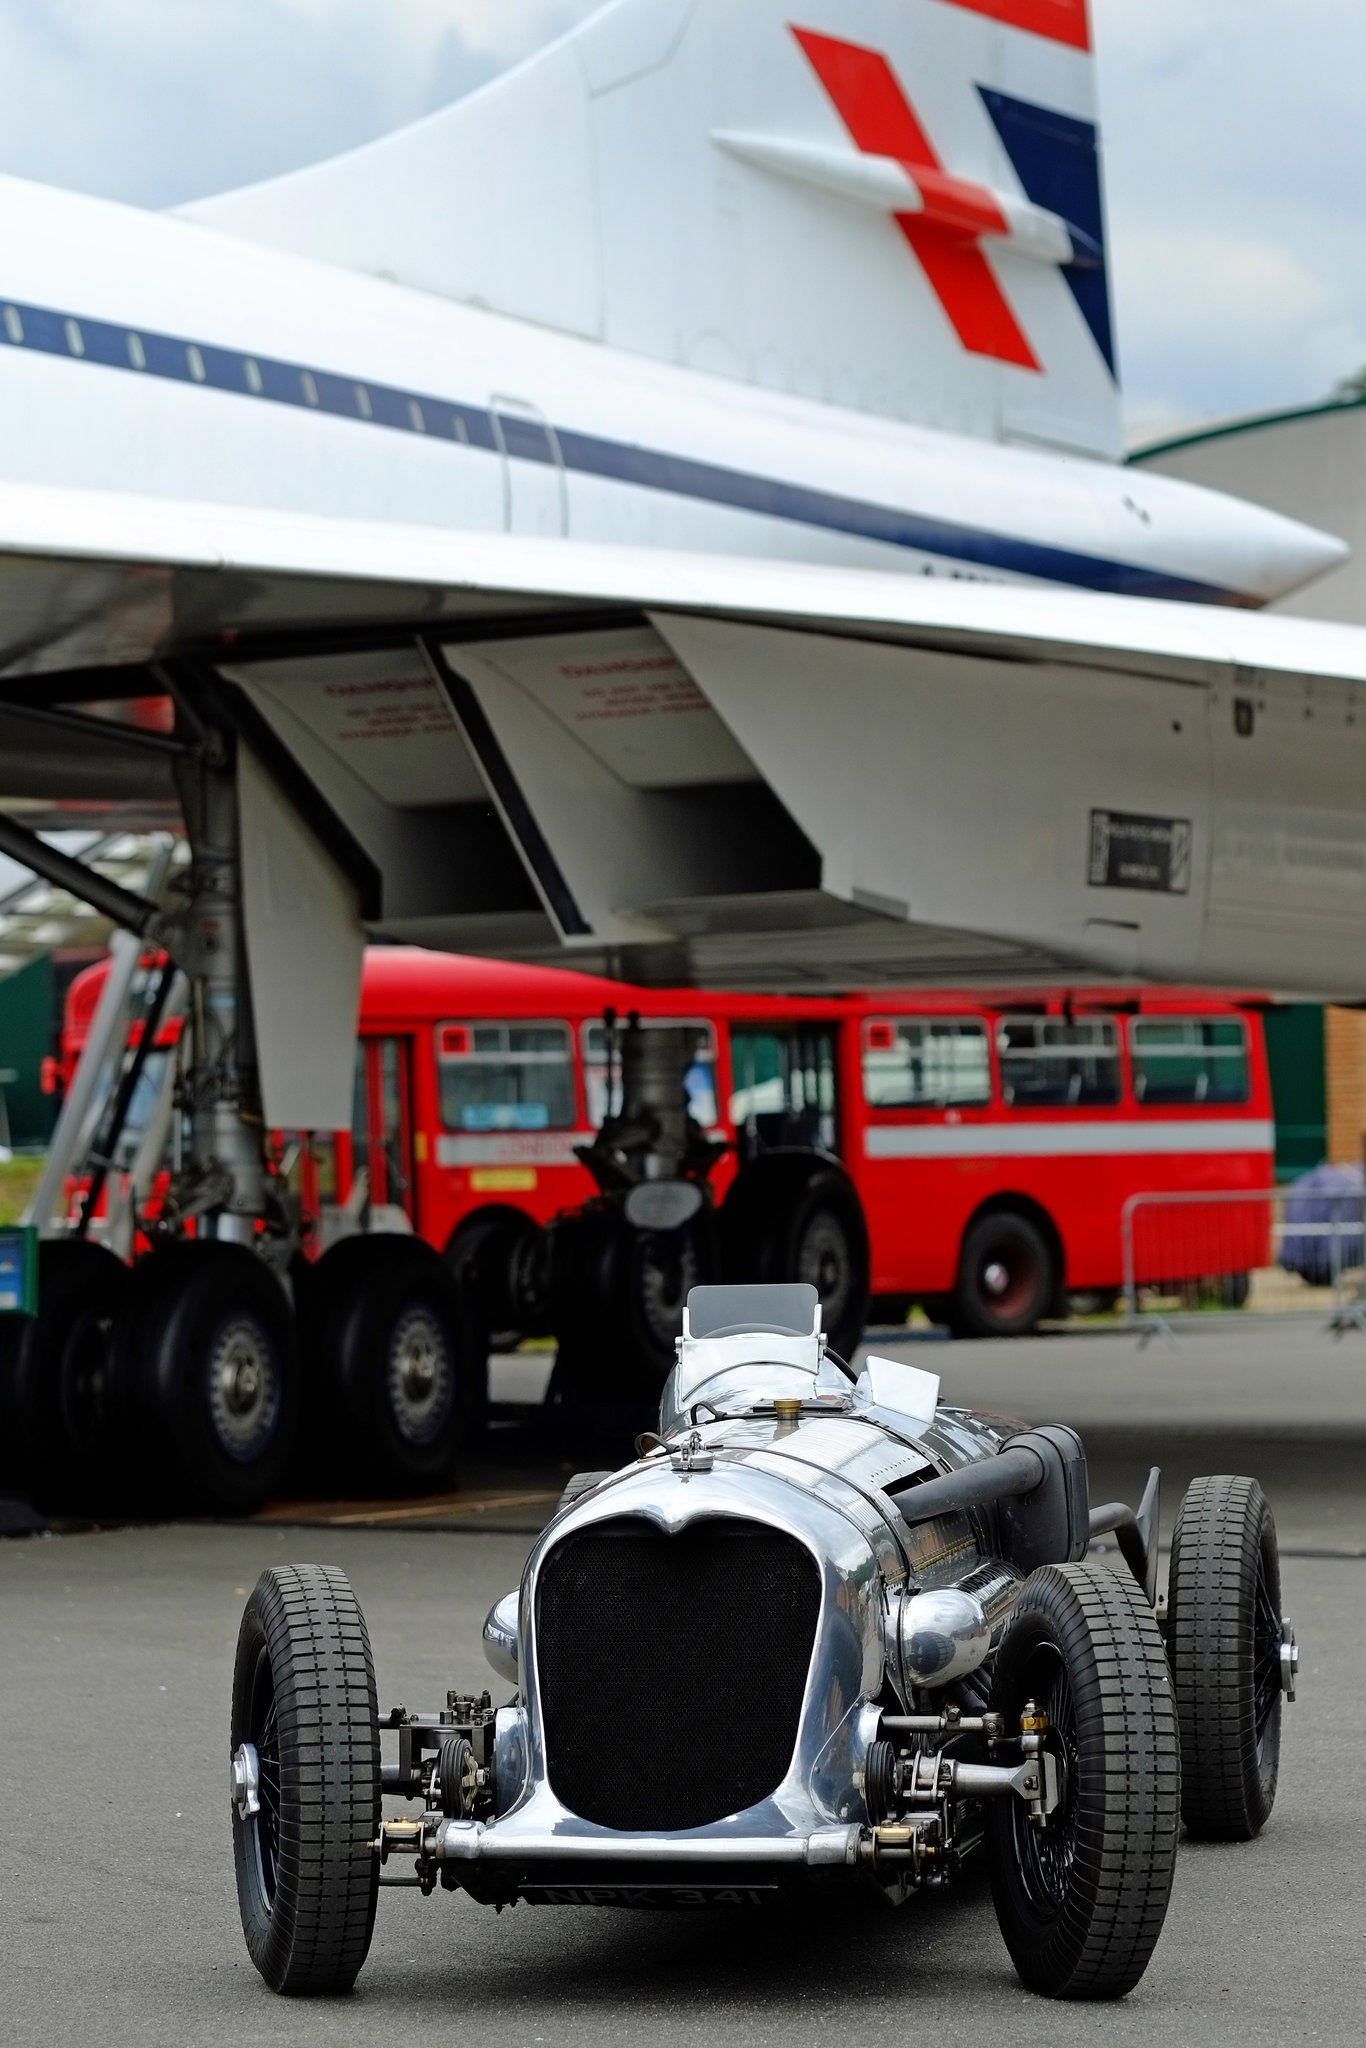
(796, 1216)
(394, 1364)
(55, 1422)
(206, 1376)
(617, 1296)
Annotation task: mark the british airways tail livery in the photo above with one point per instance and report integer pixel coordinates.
(701, 276)
(891, 206)
(567, 528)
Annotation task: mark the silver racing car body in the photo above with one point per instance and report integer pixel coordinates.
(853, 1638)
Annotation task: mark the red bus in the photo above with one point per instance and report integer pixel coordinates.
(990, 1139)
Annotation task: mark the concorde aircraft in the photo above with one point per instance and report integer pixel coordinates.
(665, 510)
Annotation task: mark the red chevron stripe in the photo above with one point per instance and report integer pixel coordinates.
(882, 122)
(1062, 21)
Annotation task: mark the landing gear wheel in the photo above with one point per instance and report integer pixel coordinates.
(1224, 1647)
(1081, 1897)
(617, 1296)
(1007, 1278)
(305, 1780)
(791, 1216)
(395, 1362)
(54, 1380)
(206, 1375)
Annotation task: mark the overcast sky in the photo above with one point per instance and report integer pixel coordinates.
(1236, 154)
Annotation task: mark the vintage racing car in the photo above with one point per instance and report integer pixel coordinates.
(856, 1639)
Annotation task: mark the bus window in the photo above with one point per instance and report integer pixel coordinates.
(1057, 1062)
(1189, 1059)
(784, 1088)
(925, 1062)
(699, 1081)
(506, 1077)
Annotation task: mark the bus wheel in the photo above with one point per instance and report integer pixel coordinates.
(394, 1361)
(492, 1259)
(54, 1384)
(1006, 1277)
(205, 1369)
(794, 1216)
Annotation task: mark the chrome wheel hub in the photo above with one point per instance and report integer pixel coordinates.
(244, 1781)
(995, 1278)
(420, 1381)
(244, 1392)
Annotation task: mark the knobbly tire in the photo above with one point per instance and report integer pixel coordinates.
(1224, 1647)
(1081, 1898)
(303, 1695)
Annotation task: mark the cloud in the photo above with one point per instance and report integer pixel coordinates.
(1235, 152)
(155, 102)
(1235, 173)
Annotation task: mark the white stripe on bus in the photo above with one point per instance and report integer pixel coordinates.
(1079, 1140)
(512, 1148)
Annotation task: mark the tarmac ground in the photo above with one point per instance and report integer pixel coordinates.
(118, 1915)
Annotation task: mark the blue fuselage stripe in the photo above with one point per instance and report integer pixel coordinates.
(265, 378)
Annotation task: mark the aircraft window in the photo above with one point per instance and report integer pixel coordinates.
(310, 389)
(925, 1062)
(14, 326)
(363, 405)
(415, 419)
(699, 1083)
(506, 1077)
(195, 361)
(1057, 1062)
(137, 354)
(461, 431)
(255, 382)
(75, 340)
(1189, 1059)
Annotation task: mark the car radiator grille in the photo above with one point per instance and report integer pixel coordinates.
(672, 1668)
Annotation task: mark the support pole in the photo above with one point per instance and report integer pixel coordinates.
(136, 914)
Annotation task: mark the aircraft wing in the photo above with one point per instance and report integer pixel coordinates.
(709, 769)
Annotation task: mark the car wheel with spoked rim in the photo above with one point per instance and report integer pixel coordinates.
(305, 1780)
(1229, 1656)
(1081, 1894)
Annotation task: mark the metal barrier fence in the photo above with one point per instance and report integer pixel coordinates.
(1274, 1250)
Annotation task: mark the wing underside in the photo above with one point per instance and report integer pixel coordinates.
(687, 769)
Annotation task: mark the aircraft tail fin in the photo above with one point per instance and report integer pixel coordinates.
(889, 204)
